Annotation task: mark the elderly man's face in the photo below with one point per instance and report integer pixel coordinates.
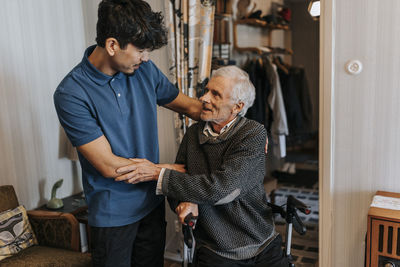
(218, 107)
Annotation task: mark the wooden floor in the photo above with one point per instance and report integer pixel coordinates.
(304, 249)
(168, 263)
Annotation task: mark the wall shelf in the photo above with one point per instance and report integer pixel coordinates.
(262, 24)
(256, 23)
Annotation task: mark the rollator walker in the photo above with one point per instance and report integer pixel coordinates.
(290, 215)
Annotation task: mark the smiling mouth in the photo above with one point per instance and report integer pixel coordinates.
(206, 109)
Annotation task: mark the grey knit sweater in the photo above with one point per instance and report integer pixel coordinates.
(225, 177)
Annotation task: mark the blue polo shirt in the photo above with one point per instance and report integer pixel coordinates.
(123, 108)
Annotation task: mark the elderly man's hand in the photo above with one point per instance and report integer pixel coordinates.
(185, 208)
(141, 170)
(175, 167)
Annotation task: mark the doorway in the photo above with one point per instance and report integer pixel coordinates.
(284, 33)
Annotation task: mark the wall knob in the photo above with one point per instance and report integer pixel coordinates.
(354, 67)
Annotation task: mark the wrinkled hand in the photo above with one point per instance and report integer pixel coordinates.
(175, 167)
(141, 170)
(184, 208)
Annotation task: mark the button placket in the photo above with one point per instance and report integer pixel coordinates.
(117, 92)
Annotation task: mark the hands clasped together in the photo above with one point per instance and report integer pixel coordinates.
(142, 170)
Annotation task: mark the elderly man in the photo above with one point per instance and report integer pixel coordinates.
(225, 163)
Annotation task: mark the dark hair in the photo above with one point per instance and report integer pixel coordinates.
(130, 21)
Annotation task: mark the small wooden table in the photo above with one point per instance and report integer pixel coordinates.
(76, 205)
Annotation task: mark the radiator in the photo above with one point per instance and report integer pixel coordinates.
(383, 235)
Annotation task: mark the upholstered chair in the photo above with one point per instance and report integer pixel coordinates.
(57, 234)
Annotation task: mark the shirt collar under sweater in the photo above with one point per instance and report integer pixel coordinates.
(232, 129)
(208, 130)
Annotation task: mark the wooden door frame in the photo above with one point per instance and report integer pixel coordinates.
(326, 131)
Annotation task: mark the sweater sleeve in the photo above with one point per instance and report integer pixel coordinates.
(242, 169)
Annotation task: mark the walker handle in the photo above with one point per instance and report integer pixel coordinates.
(187, 229)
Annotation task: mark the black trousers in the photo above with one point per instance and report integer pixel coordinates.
(271, 256)
(138, 244)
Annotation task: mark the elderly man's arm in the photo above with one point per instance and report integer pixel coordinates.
(241, 170)
(239, 173)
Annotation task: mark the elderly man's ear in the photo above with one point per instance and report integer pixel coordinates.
(238, 107)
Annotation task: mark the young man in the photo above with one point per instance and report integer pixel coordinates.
(107, 106)
(225, 163)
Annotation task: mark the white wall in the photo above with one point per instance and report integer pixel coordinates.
(41, 42)
(363, 155)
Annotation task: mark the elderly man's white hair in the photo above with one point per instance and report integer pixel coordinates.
(243, 89)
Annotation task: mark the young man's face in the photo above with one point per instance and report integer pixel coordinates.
(129, 59)
(218, 108)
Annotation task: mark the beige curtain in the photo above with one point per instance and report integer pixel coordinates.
(65, 148)
(191, 25)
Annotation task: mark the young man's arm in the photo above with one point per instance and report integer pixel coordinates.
(98, 152)
(186, 105)
(85, 133)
